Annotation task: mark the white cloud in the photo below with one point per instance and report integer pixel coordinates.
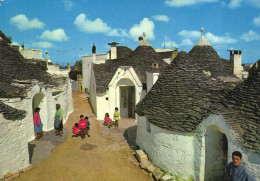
(255, 3)
(86, 25)
(55, 35)
(219, 39)
(118, 32)
(23, 23)
(190, 34)
(186, 42)
(179, 3)
(170, 44)
(234, 3)
(250, 36)
(256, 21)
(68, 4)
(158, 17)
(42, 44)
(146, 26)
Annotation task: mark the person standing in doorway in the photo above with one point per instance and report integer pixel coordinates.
(236, 170)
(58, 122)
(116, 117)
(37, 123)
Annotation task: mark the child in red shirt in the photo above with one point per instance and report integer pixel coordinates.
(75, 130)
(82, 126)
(108, 120)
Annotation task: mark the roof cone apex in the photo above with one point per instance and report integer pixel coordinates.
(203, 40)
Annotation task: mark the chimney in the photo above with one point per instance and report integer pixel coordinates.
(94, 52)
(113, 52)
(68, 67)
(236, 61)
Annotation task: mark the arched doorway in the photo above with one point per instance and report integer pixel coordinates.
(126, 98)
(39, 100)
(216, 148)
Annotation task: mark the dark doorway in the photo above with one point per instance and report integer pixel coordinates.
(127, 101)
(216, 148)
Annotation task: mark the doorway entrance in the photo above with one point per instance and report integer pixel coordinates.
(127, 101)
(39, 100)
(216, 148)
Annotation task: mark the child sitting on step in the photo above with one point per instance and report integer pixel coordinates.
(108, 120)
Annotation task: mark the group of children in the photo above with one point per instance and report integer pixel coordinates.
(81, 128)
(109, 121)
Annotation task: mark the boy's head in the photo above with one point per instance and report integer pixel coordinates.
(236, 158)
(81, 117)
(116, 108)
(86, 118)
(76, 125)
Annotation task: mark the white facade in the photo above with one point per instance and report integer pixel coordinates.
(87, 61)
(55, 69)
(151, 79)
(15, 134)
(184, 154)
(106, 102)
(31, 53)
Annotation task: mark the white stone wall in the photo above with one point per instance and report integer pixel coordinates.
(168, 150)
(103, 106)
(92, 92)
(31, 53)
(55, 69)
(184, 154)
(15, 134)
(87, 61)
(151, 79)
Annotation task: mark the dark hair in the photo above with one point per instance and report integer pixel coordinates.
(116, 108)
(107, 114)
(86, 117)
(237, 153)
(37, 109)
(76, 124)
(81, 116)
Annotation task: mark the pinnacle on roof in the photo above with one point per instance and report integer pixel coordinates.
(203, 40)
(143, 41)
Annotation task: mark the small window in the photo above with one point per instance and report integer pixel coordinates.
(106, 98)
(155, 65)
(148, 126)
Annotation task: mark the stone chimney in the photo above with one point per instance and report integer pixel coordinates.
(236, 60)
(94, 52)
(68, 66)
(113, 51)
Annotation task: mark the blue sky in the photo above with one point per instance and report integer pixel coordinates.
(67, 29)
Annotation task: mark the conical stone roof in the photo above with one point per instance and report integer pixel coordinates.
(242, 109)
(181, 97)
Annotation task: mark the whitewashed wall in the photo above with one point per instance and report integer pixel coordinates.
(15, 134)
(184, 154)
(87, 61)
(151, 79)
(92, 92)
(55, 69)
(31, 53)
(166, 149)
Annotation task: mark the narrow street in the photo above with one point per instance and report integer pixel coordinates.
(104, 156)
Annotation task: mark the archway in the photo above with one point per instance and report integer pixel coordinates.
(39, 100)
(216, 148)
(126, 98)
